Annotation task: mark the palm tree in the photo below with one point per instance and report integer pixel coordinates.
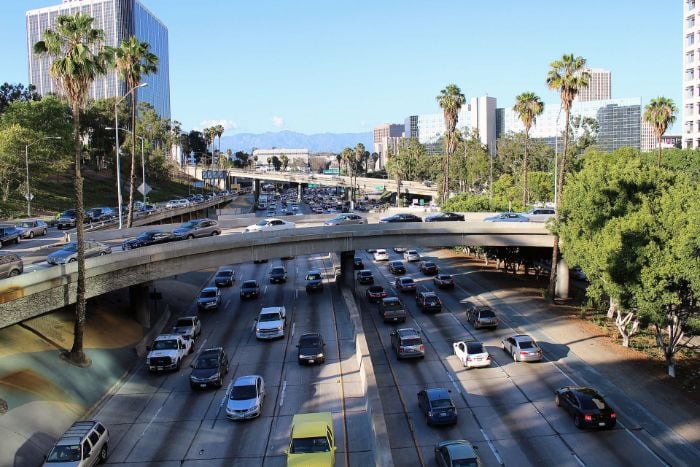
(358, 157)
(660, 113)
(566, 75)
(528, 106)
(285, 161)
(339, 158)
(451, 101)
(375, 158)
(219, 130)
(133, 60)
(78, 57)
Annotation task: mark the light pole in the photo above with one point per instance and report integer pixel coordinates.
(143, 161)
(118, 149)
(26, 162)
(556, 154)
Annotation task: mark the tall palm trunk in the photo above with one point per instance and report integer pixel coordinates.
(76, 353)
(132, 176)
(525, 171)
(658, 152)
(560, 189)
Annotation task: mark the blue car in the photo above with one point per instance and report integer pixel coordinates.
(437, 406)
(507, 217)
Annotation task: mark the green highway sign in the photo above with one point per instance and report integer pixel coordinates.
(379, 187)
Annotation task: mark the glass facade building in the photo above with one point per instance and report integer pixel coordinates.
(119, 19)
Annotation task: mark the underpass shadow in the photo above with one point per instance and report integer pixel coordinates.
(33, 450)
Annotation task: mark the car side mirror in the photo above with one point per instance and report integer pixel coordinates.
(148, 347)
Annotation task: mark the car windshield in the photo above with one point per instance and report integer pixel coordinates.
(146, 236)
(475, 347)
(165, 345)
(249, 285)
(393, 305)
(376, 289)
(592, 403)
(64, 453)
(269, 316)
(313, 277)
(441, 404)
(407, 281)
(366, 273)
(526, 345)
(26, 225)
(277, 270)
(431, 299)
(242, 393)
(189, 225)
(262, 223)
(68, 214)
(206, 362)
(445, 278)
(486, 314)
(72, 246)
(412, 252)
(306, 445)
(184, 322)
(309, 342)
(465, 463)
(208, 294)
(224, 273)
(429, 265)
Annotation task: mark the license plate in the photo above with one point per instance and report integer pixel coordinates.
(395, 319)
(159, 368)
(202, 385)
(443, 414)
(601, 423)
(312, 360)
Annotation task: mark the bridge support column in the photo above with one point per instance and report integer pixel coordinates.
(561, 289)
(256, 189)
(138, 298)
(299, 191)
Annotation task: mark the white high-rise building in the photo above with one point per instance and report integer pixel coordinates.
(691, 75)
(599, 87)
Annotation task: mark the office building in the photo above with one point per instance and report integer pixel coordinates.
(386, 138)
(119, 19)
(599, 86)
(691, 75)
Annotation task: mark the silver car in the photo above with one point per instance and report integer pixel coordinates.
(69, 253)
(507, 217)
(198, 228)
(32, 227)
(522, 348)
(245, 398)
(346, 219)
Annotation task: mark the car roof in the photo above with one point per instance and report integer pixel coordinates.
(313, 271)
(405, 279)
(167, 337)
(523, 337)
(248, 380)
(271, 309)
(429, 293)
(210, 289)
(375, 288)
(461, 450)
(408, 332)
(437, 393)
(250, 282)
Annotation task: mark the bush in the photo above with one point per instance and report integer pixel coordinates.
(470, 202)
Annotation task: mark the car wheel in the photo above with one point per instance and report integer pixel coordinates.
(31, 234)
(557, 401)
(189, 237)
(220, 382)
(102, 253)
(515, 357)
(17, 240)
(72, 260)
(103, 455)
(44, 232)
(214, 233)
(577, 421)
(14, 273)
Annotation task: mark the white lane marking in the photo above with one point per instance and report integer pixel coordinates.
(264, 290)
(284, 388)
(492, 447)
(454, 383)
(578, 459)
(152, 419)
(293, 327)
(417, 325)
(228, 389)
(296, 294)
(255, 323)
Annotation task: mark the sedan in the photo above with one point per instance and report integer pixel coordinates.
(444, 217)
(456, 453)
(209, 368)
(400, 217)
(411, 255)
(381, 255)
(150, 237)
(357, 263)
(270, 224)
(310, 348)
(245, 398)
(588, 408)
(481, 316)
(32, 227)
(397, 267)
(507, 217)
(522, 348)
(437, 406)
(250, 289)
(9, 235)
(209, 298)
(405, 284)
(471, 354)
(346, 219)
(69, 253)
(376, 293)
(428, 268)
(365, 277)
(444, 281)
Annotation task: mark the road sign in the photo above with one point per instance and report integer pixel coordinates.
(379, 187)
(313, 185)
(144, 189)
(29, 196)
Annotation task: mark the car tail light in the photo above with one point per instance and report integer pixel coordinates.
(613, 415)
(469, 359)
(523, 352)
(588, 418)
(402, 348)
(421, 348)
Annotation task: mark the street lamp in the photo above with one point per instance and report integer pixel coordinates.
(29, 195)
(143, 163)
(118, 150)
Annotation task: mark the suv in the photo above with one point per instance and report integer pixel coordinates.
(188, 326)
(99, 214)
(209, 298)
(250, 289)
(314, 281)
(278, 274)
(209, 368)
(67, 219)
(481, 316)
(407, 343)
(311, 348)
(224, 277)
(83, 444)
(429, 301)
(365, 277)
(272, 321)
(10, 264)
(391, 309)
(198, 228)
(397, 267)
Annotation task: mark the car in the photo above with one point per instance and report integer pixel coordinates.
(400, 217)
(444, 281)
(209, 368)
(167, 352)
(455, 453)
(428, 268)
(471, 354)
(365, 277)
(69, 253)
(310, 348)
(245, 398)
(522, 348)
(587, 406)
(224, 277)
(11, 264)
(260, 261)
(397, 267)
(312, 440)
(32, 227)
(375, 293)
(357, 263)
(405, 284)
(444, 217)
(278, 274)
(99, 214)
(85, 443)
(392, 309)
(188, 327)
(271, 322)
(177, 203)
(209, 298)
(577, 273)
(437, 406)
(9, 235)
(411, 256)
(346, 219)
(507, 217)
(197, 228)
(270, 224)
(314, 281)
(481, 316)
(399, 249)
(250, 289)
(149, 237)
(381, 255)
(429, 301)
(67, 219)
(540, 214)
(407, 343)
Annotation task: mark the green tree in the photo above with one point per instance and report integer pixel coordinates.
(78, 57)
(660, 113)
(374, 157)
(219, 131)
(96, 118)
(451, 101)
(10, 93)
(133, 61)
(405, 164)
(285, 161)
(528, 106)
(583, 134)
(197, 145)
(13, 139)
(276, 163)
(567, 76)
(470, 167)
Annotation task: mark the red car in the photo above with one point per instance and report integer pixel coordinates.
(375, 293)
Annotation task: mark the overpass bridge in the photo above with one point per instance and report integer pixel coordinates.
(29, 295)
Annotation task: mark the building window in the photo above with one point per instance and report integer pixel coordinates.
(689, 57)
(690, 22)
(690, 39)
(689, 74)
(691, 5)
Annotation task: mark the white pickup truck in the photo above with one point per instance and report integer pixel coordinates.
(472, 354)
(168, 351)
(272, 322)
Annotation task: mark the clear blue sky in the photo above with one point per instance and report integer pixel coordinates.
(345, 65)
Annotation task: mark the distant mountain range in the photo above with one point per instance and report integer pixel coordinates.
(322, 142)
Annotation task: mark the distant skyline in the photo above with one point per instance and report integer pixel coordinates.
(346, 66)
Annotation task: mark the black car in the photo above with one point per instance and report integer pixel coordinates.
(437, 406)
(310, 348)
(278, 274)
(444, 217)
(365, 277)
(209, 368)
(224, 278)
(99, 214)
(429, 301)
(67, 219)
(357, 263)
(401, 217)
(429, 268)
(9, 235)
(250, 289)
(588, 408)
(150, 237)
(397, 267)
(314, 281)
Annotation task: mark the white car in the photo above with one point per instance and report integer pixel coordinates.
(177, 203)
(540, 214)
(270, 224)
(411, 255)
(472, 354)
(188, 326)
(245, 398)
(272, 321)
(381, 255)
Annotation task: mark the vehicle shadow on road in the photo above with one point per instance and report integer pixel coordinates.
(555, 352)
(31, 451)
